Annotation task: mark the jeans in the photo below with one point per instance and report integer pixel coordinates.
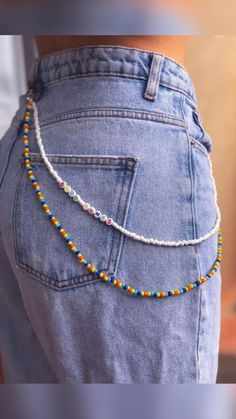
(122, 127)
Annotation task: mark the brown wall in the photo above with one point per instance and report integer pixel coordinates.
(211, 62)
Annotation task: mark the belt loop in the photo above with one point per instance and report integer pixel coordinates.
(154, 77)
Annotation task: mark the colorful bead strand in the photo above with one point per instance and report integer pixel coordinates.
(89, 266)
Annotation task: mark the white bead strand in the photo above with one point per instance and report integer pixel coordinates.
(108, 220)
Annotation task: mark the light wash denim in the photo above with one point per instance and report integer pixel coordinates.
(122, 127)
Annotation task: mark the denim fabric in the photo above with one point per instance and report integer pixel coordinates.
(122, 127)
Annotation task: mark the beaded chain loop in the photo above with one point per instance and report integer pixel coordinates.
(108, 220)
(89, 266)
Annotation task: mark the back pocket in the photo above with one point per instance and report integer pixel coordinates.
(104, 181)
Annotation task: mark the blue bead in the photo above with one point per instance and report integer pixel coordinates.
(85, 263)
(124, 287)
(169, 293)
(42, 201)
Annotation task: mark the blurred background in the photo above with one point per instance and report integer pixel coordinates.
(211, 61)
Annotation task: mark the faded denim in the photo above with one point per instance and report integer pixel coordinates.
(122, 127)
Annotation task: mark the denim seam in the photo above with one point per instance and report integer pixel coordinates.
(14, 210)
(198, 269)
(73, 281)
(190, 168)
(111, 113)
(128, 183)
(58, 53)
(130, 189)
(113, 74)
(123, 163)
(193, 210)
(114, 257)
(93, 74)
(127, 196)
(200, 352)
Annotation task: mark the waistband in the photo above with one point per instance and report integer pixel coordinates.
(155, 68)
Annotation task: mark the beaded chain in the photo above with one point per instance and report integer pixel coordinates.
(89, 266)
(99, 215)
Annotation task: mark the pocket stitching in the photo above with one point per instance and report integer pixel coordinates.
(134, 114)
(72, 281)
